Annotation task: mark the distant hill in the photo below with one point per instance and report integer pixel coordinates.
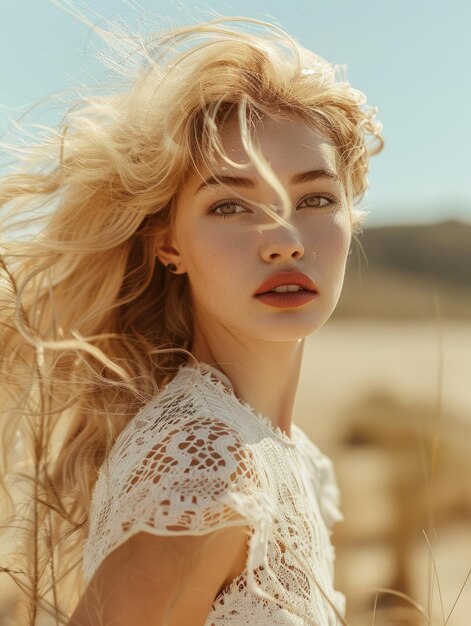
(406, 270)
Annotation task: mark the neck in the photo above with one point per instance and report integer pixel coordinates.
(265, 374)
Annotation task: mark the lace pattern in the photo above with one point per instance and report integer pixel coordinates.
(196, 459)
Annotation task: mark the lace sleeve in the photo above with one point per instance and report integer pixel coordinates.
(329, 491)
(191, 477)
(322, 472)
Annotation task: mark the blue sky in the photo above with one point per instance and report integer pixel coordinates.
(410, 57)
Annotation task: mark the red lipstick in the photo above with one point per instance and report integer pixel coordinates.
(306, 293)
(286, 278)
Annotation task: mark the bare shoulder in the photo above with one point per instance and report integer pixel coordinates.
(155, 580)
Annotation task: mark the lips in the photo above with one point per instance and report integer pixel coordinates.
(286, 278)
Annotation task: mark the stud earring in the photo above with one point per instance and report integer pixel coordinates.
(171, 267)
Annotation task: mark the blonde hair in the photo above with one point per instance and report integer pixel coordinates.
(92, 325)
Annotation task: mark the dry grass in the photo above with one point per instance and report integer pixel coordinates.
(389, 402)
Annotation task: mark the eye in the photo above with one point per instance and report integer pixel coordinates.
(318, 201)
(227, 204)
(228, 207)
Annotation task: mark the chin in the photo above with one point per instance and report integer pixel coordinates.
(289, 329)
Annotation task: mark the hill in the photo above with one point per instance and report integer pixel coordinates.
(407, 271)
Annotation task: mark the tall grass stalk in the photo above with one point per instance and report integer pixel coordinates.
(429, 459)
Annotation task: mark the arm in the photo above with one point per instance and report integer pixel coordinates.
(162, 581)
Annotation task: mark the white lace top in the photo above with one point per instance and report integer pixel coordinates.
(196, 459)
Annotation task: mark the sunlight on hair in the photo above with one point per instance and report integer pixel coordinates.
(91, 324)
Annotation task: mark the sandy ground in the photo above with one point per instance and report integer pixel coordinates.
(346, 358)
(420, 365)
(412, 361)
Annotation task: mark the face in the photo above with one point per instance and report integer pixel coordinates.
(218, 242)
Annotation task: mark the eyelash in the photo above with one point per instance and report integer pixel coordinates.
(230, 201)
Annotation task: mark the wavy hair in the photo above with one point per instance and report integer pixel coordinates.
(92, 325)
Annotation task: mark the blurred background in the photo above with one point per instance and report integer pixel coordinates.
(385, 388)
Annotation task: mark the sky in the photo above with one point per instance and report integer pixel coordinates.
(410, 57)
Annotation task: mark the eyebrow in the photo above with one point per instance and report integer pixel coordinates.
(250, 183)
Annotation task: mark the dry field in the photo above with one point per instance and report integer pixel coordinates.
(371, 396)
(386, 393)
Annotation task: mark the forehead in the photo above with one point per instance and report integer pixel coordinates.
(289, 145)
(286, 144)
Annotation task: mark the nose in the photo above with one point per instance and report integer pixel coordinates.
(280, 242)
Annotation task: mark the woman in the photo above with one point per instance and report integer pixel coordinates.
(198, 227)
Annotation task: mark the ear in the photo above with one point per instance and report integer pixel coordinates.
(166, 251)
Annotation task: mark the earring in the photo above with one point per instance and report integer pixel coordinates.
(171, 267)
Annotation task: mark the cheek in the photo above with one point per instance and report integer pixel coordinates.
(215, 259)
(342, 237)
(217, 248)
(333, 237)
